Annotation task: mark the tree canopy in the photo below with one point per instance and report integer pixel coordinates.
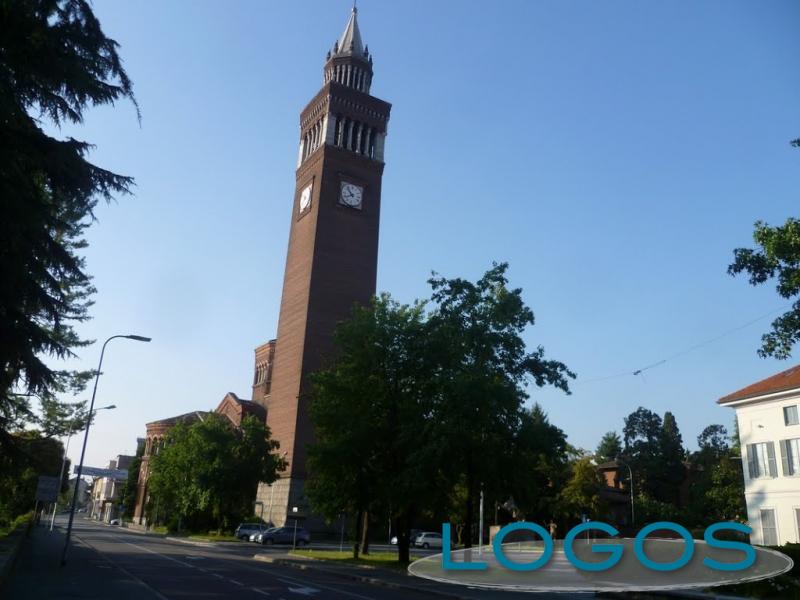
(777, 257)
(55, 62)
(609, 448)
(421, 404)
(206, 474)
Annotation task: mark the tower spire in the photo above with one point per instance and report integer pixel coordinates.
(350, 41)
(349, 62)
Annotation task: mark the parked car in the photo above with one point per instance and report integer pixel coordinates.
(286, 535)
(245, 530)
(259, 537)
(114, 522)
(412, 536)
(428, 539)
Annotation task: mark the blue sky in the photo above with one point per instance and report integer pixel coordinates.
(614, 153)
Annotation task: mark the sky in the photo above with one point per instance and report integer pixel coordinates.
(614, 153)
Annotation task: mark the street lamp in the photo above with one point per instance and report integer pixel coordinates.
(64, 462)
(633, 519)
(138, 338)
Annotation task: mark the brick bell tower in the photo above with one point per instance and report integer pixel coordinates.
(333, 252)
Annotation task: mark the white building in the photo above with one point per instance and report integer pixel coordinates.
(769, 430)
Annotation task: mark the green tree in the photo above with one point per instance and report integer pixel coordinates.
(55, 61)
(713, 440)
(642, 438)
(609, 448)
(31, 455)
(370, 410)
(129, 490)
(725, 495)
(672, 456)
(581, 494)
(717, 490)
(484, 367)
(207, 473)
(539, 459)
(777, 257)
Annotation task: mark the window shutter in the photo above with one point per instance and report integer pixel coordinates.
(785, 457)
(773, 466)
(751, 461)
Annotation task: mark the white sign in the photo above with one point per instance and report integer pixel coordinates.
(97, 472)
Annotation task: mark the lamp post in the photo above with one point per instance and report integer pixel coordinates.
(64, 463)
(630, 473)
(138, 338)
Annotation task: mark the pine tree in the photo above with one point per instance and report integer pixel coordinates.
(55, 61)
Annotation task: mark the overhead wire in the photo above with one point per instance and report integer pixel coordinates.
(641, 370)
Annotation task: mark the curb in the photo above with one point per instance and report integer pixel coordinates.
(298, 564)
(191, 542)
(7, 562)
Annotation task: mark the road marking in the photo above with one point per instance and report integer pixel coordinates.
(304, 591)
(235, 582)
(124, 571)
(260, 591)
(217, 575)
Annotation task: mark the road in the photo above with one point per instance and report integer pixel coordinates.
(150, 568)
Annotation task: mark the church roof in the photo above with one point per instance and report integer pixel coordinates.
(350, 42)
(190, 417)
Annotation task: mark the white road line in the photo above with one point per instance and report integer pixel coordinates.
(260, 591)
(124, 571)
(180, 562)
(235, 582)
(217, 575)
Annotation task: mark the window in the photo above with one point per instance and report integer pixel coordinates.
(769, 528)
(797, 521)
(790, 457)
(790, 415)
(761, 460)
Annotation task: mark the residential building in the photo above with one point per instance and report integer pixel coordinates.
(107, 491)
(767, 413)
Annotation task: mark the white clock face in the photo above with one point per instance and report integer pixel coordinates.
(351, 195)
(305, 198)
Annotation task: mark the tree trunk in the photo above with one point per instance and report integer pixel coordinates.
(468, 516)
(401, 527)
(357, 536)
(365, 534)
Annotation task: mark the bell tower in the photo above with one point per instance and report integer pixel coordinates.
(332, 257)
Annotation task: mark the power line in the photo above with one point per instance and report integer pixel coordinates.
(660, 362)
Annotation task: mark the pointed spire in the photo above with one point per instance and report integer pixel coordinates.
(351, 38)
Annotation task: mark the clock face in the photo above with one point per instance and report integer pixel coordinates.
(351, 195)
(305, 198)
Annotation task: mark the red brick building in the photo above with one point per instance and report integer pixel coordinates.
(232, 407)
(332, 255)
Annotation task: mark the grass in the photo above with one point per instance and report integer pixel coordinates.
(373, 559)
(20, 521)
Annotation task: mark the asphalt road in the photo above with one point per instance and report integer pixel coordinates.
(111, 562)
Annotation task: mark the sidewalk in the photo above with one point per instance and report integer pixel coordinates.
(37, 573)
